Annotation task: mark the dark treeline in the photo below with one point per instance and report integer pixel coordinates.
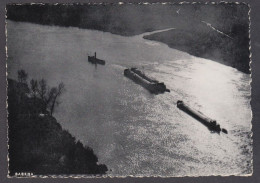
(37, 142)
(125, 20)
(191, 34)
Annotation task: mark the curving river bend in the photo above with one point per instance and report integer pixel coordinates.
(132, 131)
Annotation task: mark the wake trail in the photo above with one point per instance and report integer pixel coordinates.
(218, 31)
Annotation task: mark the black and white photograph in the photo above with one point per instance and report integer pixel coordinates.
(129, 89)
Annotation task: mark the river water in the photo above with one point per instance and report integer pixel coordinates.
(132, 131)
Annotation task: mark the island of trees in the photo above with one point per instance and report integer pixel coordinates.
(37, 142)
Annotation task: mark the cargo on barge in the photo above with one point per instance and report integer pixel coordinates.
(140, 78)
(210, 123)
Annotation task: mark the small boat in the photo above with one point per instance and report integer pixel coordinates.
(150, 84)
(95, 60)
(210, 123)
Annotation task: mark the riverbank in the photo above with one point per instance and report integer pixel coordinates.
(192, 35)
(37, 142)
(205, 42)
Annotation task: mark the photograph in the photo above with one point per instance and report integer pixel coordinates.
(129, 89)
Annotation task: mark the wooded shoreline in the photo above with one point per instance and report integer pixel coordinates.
(37, 142)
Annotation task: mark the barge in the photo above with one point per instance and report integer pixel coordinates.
(211, 124)
(95, 60)
(150, 84)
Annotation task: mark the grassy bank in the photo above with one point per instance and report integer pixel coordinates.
(191, 34)
(37, 142)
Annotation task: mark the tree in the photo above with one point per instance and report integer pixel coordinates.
(42, 89)
(54, 94)
(48, 96)
(34, 87)
(22, 76)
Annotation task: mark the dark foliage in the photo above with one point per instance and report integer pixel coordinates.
(123, 20)
(37, 142)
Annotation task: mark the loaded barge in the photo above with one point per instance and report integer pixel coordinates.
(209, 123)
(140, 78)
(95, 60)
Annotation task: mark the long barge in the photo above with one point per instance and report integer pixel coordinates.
(140, 78)
(95, 60)
(211, 124)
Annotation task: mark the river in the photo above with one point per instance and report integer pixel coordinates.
(132, 131)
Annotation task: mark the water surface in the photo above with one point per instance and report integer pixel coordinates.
(132, 131)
